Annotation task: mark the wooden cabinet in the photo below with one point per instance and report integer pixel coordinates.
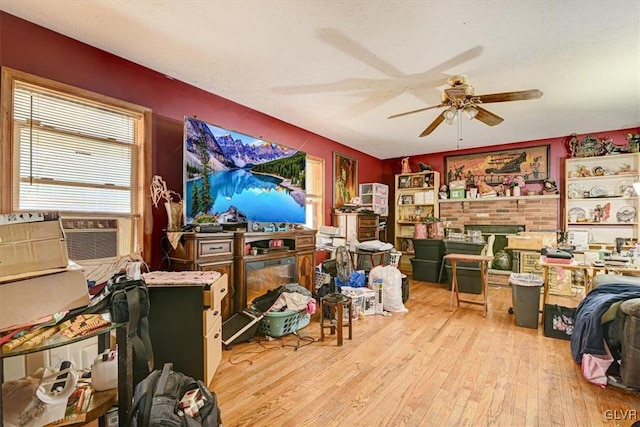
(416, 199)
(600, 201)
(185, 326)
(358, 226)
(230, 253)
(282, 257)
(207, 252)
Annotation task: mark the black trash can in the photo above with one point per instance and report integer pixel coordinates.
(405, 288)
(525, 297)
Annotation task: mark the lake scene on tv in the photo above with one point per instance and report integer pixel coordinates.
(230, 177)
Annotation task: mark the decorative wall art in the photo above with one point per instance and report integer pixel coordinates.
(345, 179)
(590, 146)
(531, 163)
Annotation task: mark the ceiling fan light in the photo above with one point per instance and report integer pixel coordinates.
(471, 112)
(450, 114)
(451, 121)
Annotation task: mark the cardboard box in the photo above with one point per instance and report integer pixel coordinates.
(524, 242)
(23, 301)
(32, 246)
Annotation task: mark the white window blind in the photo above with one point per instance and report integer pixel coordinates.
(73, 155)
(315, 192)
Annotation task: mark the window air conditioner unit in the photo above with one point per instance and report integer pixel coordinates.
(91, 238)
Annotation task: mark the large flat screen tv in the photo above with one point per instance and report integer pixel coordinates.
(237, 178)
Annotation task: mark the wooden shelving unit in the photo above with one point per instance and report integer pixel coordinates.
(600, 199)
(416, 199)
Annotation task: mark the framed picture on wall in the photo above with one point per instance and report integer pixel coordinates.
(406, 200)
(531, 163)
(345, 179)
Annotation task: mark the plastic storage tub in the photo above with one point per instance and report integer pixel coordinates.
(428, 249)
(469, 280)
(425, 270)
(525, 297)
(458, 247)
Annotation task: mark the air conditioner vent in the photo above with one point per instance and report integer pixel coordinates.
(91, 238)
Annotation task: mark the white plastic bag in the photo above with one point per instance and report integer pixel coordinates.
(391, 287)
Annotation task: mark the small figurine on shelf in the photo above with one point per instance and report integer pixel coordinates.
(405, 165)
(550, 186)
(634, 141)
(425, 167)
(444, 192)
(583, 171)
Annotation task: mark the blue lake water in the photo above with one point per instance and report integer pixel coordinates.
(259, 197)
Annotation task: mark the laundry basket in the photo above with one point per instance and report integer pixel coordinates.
(280, 323)
(322, 279)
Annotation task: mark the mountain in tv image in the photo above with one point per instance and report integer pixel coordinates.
(247, 179)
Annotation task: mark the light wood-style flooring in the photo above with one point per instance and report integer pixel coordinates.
(427, 367)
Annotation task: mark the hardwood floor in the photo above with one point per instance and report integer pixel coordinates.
(427, 367)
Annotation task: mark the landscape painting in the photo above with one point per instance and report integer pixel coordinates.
(230, 177)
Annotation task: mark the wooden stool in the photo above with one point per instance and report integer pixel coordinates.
(336, 303)
(480, 259)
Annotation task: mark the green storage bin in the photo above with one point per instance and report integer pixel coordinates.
(469, 279)
(459, 247)
(428, 249)
(426, 271)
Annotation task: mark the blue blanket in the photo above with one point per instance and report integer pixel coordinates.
(587, 334)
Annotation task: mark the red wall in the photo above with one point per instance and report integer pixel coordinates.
(36, 50)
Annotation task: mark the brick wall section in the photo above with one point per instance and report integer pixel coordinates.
(535, 213)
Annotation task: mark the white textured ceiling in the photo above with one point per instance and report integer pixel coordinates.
(339, 68)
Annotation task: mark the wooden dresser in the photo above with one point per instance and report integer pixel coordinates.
(230, 252)
(361, 226)
(206, 252)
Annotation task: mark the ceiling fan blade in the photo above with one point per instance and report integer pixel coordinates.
(433, 125)
(523, 95)
(415, 111)
(487, 117)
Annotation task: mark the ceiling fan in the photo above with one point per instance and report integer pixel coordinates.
(461, 96)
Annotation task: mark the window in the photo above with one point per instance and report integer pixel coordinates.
(315, 192)
(73, 151)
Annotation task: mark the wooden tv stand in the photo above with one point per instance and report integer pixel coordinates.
(228, 252)
(300, 244)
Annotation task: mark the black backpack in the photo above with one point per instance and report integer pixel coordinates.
(156, 401)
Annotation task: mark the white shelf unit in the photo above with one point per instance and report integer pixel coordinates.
(599, 197)
(375, 196)
(416, 199)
